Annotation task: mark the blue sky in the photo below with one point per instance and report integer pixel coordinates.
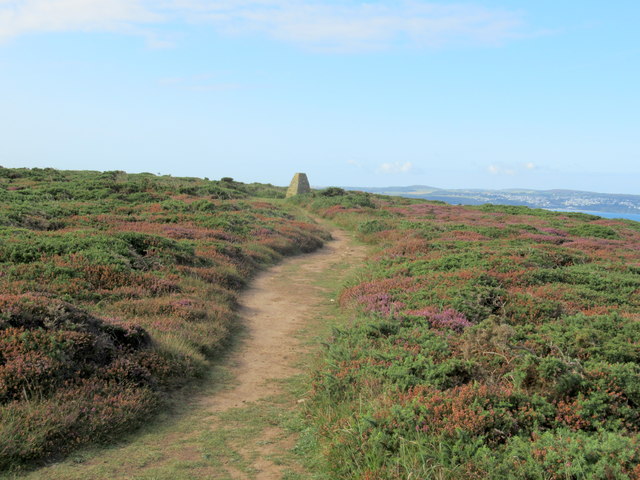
(476, 94)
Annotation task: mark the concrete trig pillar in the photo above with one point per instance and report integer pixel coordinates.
(299, 184)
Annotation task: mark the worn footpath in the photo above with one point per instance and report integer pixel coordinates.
(242, 424)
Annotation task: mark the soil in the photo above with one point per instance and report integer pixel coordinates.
(276, 306)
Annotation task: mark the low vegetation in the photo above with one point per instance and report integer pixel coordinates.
(479, 342)
(116, 289)
(482, 342)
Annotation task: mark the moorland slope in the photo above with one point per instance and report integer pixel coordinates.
(116, 289)
(477, 342)
(482, 342)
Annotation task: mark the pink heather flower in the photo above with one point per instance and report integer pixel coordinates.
(448, 318)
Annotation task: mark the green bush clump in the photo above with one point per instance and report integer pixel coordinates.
(593, 230)
(372, 226)
(332, 192)
(49, 348)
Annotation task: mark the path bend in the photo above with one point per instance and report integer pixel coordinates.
(235, 428)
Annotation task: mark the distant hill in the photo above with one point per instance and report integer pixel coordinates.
(550, 199)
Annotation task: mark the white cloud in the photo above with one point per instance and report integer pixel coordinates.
(310, 23)
(396, 167)
(506, 169)
(496, 169)
(19, 17)
(361, 26)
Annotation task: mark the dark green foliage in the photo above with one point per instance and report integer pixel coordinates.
(596, 231)
(372, 226)
(332, 192)
(346, 200)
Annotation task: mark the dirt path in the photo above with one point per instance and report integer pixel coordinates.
(279, 304)
(242, 426)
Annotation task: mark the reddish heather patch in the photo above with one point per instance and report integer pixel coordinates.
(448, 318)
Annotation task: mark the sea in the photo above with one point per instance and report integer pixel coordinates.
(628, 216)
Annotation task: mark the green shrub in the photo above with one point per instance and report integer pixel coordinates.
(372, 226)
(595, 231)
(332, 192)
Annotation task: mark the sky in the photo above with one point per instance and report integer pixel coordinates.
(473, 94)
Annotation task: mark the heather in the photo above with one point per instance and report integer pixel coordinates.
(481, 342)
(116, 289)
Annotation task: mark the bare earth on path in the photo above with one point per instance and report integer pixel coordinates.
(238, 426)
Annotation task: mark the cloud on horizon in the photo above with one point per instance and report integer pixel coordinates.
(307, 23)
(396, 167)
(511, 170)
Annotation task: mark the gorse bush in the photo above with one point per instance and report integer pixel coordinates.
(332, 192)
(483, 342)
(117, 288)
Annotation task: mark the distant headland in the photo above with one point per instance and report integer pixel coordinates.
(570, 200)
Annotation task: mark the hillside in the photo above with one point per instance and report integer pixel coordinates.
(482, 342)
(117, 289)
(497, 342)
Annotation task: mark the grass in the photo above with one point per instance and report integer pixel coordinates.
(117, 289)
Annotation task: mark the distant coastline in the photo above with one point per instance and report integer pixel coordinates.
(607, 205)
(627, 216)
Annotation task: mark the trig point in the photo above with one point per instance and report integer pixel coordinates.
(299, 184)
